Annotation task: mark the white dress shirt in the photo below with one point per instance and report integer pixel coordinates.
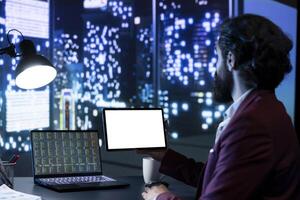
(228, 114)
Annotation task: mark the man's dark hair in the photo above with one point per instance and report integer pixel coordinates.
(260, 47)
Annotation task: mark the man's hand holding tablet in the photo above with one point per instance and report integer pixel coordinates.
(157, 154)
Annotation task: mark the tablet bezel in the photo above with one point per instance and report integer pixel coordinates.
(120, 109)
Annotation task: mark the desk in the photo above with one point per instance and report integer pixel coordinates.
(132, 192)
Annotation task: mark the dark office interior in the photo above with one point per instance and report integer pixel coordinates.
(126, 54)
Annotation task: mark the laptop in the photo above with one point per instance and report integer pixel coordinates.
(134, 128)
(69, 161)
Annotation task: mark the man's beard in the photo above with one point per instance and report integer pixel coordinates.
(222, 88)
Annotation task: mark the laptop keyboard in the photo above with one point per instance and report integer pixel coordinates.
(75, 180)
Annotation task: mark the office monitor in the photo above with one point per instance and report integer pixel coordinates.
(134, 128)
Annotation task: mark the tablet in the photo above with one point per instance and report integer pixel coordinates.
(132, 128)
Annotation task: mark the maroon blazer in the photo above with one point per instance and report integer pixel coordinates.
(257, 157)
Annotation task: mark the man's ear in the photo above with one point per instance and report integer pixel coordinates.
(230, 61)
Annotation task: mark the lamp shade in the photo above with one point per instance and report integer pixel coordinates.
(34, 71)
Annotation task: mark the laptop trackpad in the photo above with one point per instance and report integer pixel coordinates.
(67, 187)
(109, 184)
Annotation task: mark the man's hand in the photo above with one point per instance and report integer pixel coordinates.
(154, 191)
(157, 154)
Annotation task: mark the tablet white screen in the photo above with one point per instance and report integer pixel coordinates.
(130, 129)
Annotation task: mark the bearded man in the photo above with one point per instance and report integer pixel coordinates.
(256, 151)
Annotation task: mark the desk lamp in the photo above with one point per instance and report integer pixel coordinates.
(33, 71)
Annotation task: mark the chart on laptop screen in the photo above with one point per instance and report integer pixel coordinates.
(65, 152)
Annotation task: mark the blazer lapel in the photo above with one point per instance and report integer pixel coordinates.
(251, 98)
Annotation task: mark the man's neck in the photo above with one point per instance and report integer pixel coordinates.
(238, 91)
(239, 87)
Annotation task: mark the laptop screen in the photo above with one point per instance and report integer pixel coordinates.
(134, 128)
(65, 152)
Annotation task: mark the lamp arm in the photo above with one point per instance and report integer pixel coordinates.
(10, 50)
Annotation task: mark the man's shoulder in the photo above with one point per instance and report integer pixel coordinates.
(261, 107)
(261, 114)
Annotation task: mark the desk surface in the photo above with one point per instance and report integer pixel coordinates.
(25, 184)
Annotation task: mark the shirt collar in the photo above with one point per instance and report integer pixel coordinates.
(234, 106)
